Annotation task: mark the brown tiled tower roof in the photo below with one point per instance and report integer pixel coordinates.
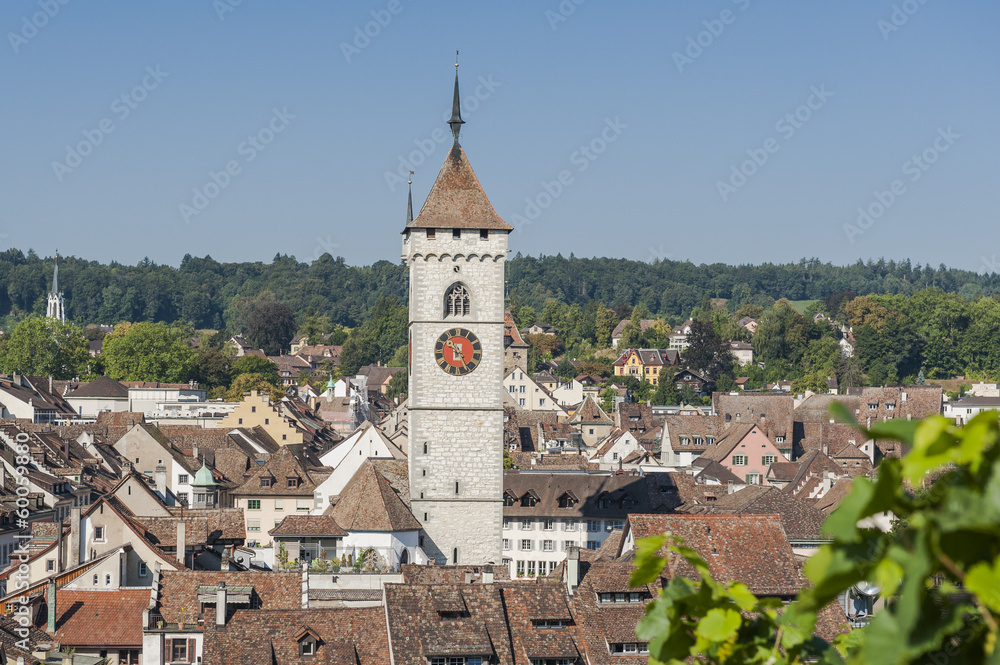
(457, 200)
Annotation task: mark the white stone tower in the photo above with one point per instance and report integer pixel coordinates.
(456, 249)
(56, 308)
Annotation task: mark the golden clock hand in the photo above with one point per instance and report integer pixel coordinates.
(456, 350)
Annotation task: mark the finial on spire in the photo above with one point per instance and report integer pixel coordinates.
(409, 200)
(456, 121)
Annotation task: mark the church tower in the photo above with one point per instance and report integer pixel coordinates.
(456, 249)
(56, 308)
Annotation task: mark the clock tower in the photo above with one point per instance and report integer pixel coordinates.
(455, 249)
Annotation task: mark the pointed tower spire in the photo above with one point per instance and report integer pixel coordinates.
(409, 200)
(456, 121)
(55, 275)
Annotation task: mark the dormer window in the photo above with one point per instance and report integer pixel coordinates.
(528, 501)
(509, 500)
(566, 501)
(308, 641)
(293, 482)
(604, 503)
(265, 481)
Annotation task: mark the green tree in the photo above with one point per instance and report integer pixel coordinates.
(315, 327)
(253, 364)
(707, 354)
(938, 569)
(44, 347)
(271, 326)
(604, 325)
(211, 366)
(244, 383)
(398, 385)
(666, 388)
(608, 400)
(148, 352)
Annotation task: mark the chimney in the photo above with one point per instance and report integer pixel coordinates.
(52, 607)
(59, 547)
(305, 585)
(50, 383)
(67, 659)
(66, 450)
(220, 606)
(572, 568)
(487, 575)
(74, 538)
(826, 449)
(160, 479)
(224, 565)
(181, 542)
(194, 450)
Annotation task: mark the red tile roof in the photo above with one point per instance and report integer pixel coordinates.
(104, 619)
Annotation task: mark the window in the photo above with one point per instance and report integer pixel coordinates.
(628, 648)
(506, 543)
(253, 525)
(526, 545)
(430, 234)
(513, 388)
(593, 525)
(50, 565)
(616, 524)
(614, 457)
(99, 534)
(739, 460)
(592, 544)
(143, 569)
(179, 651)
(253, 409)
(528, 501)
(527, 524)
(293, 482)
(520, 569)
(520, 402)
(571, 525)
(506, 522)
(548, 546)
(779, 439)
(253, 504)
(566, 501)
(267, 421)
(107, 579)
(541, 402)
(241, 421)
(768, 459)
(182, 479)
(753, 479)
(523, 389)
(457, 301)
(604, 503)
(265, 481)
(307, 647)
(548, 524)
(531, 569)
(303, 504)
(279, 504)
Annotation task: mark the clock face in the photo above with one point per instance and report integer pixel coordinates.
(458, 351)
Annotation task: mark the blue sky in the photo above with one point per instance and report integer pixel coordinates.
(647, 111)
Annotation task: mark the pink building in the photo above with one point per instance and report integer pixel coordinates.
(746, 451)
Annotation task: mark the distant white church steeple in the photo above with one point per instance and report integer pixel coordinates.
(57, 305)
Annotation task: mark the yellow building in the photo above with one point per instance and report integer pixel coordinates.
(645, 364)
(255, 410)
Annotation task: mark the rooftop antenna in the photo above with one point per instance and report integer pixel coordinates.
(409, 200)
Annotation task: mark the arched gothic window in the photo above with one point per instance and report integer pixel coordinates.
(457, 301)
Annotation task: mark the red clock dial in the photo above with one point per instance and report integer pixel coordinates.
(458, 351)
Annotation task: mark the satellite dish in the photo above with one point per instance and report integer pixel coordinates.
(867, 588)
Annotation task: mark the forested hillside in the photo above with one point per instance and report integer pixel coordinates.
(210, 294)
